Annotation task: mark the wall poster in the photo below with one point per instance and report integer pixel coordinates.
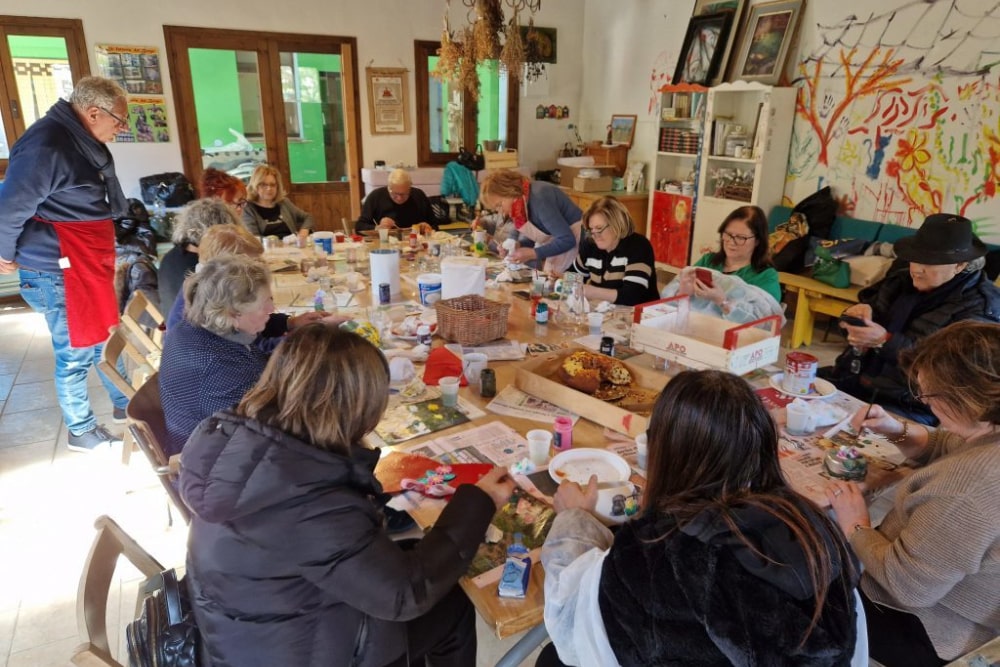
(137, 69)
(388, 103)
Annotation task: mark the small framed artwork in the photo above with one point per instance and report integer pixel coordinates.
(735, 29)
(766, 41)
(704, 44)
(622, 129)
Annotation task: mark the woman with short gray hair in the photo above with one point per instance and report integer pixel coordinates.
(210, 359)
(190, 224)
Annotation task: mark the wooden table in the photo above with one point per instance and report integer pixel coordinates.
(814, 297)
(510, 616)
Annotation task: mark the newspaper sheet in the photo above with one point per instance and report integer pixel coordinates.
(513, 402)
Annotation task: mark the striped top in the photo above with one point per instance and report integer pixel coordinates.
(629, 269)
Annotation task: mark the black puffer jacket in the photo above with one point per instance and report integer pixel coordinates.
(288, 562)
(968, 296)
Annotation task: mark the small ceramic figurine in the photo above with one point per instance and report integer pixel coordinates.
(608, 142)
(847, 463)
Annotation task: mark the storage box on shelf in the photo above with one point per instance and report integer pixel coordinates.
(634, 202)
(744, 157)
(615, 155)
(674, 173)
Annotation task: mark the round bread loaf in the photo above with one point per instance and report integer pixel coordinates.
(587, 371)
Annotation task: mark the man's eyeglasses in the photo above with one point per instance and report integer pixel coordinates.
(596, 231)
(398, 194)
(122, 122)
(735, 238)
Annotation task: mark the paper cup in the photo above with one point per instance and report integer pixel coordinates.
(429, 285)
(799, 419)
(449, 390)
(594, 322)
(641, 451)
(539, 442)
(473, 364)
(383, 235)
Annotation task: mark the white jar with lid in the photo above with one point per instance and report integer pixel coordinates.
(737, 138)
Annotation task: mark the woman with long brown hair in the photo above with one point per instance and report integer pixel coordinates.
(288, 559)
(725, 564)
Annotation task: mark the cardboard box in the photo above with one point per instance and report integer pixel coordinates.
(602, 184)
(670, 330)
(538, 377)
(567, 174)
(500, 159)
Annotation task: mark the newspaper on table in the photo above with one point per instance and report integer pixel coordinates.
(512, 402)
(499, 350)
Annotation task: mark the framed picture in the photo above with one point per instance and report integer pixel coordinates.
(702, 7)
(704, 44)
(622, 129)
(388, 100)
(769, 33)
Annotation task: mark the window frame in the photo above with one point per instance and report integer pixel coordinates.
(424, 49)
(70, 30)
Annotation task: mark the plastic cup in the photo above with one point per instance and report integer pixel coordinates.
(324, 240)
(594, 322)
(539, 442)
(641, 451)
(473, 364)
(449, 390)
(383, 235)
(353, 279)
(799, 419)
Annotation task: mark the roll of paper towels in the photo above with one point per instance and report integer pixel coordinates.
(463, 275)
(385, 269)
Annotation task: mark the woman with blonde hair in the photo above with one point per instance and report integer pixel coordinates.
(189, 226)
(269, 210)
(618, 263)
(931, 583)
(724, 564)
(289, 562)
(548, 224)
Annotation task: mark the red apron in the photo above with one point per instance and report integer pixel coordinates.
(87, 259)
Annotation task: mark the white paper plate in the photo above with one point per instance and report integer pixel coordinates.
(577, 465)
(824, 388)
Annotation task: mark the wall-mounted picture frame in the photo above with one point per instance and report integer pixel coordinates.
(623, 129)
(769, 33)
(704, 44)
(388, 100)
(737, 7)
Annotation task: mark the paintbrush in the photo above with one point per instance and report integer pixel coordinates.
(868, 412)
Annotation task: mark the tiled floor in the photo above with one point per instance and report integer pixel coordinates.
(49, 498)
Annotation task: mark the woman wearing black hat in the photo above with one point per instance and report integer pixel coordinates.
(942, 283)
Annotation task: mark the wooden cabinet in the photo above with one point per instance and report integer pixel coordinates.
(635, 202)
(616, 155)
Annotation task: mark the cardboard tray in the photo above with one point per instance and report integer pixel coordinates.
(602, 184)
(669, 329)
(537, 377)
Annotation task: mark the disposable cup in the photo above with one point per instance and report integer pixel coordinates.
(594, 322)
(539, 442)
(449, 390)
(799, 419)
(473, 364)
(383, 235)
(641, 451)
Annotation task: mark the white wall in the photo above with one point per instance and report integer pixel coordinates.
(385, 31)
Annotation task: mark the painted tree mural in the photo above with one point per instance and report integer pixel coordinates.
(899, 111)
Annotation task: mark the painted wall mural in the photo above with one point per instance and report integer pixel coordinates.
(899, 111)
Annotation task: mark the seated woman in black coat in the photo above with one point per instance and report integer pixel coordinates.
(617, 262)
(943, 282)
(724, 564)
(288, 560)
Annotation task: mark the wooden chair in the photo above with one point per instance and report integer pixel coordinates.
(144, 323)
(148, 427)
(95, 584)
(127, 368)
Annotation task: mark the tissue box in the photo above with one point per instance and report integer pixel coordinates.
(602, 184)
(463, 275)
(567, 174)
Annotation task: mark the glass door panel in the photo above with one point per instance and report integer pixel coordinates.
(41, 72)
(228, 109)
(446, 111)
(312, 92)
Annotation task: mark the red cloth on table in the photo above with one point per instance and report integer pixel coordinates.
(441, 363)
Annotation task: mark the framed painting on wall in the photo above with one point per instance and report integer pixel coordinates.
(622, 129)
(704, 44)
(388, 100)
(766, 41)
(703, 7)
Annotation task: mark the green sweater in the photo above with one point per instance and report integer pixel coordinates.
(767, 279)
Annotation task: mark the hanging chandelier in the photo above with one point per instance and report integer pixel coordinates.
(490, 36)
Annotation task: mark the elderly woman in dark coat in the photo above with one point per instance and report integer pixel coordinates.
(288, 560)
(944, 282)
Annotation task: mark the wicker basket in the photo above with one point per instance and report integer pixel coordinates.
(471, 319)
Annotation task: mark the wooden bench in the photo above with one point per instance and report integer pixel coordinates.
(814, 297)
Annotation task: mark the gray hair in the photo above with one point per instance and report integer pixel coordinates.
(215, 295)
(400, 177)
(198, 216)
(975, 265)
(96, 91)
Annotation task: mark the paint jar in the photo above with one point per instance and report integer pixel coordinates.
(562, 431)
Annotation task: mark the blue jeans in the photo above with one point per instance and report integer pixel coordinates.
(46, 294)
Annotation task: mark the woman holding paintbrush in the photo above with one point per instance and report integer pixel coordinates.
(931, 581)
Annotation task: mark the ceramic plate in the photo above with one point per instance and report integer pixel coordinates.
(823, 387)
(577, 465)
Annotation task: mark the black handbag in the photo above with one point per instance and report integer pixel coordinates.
(474, 161)
(165, 634)
(172, 188)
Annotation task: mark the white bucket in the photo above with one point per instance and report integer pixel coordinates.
(429, 285)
